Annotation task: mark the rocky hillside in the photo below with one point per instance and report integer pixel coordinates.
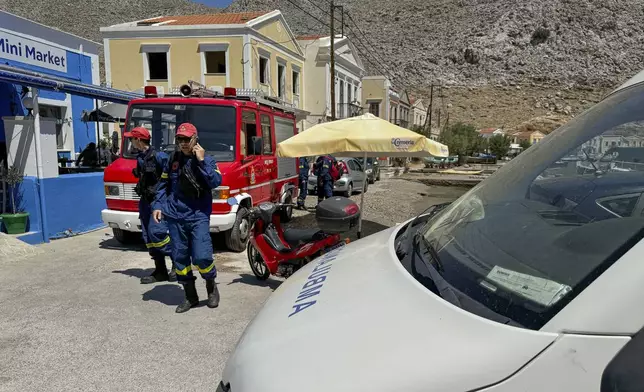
(476, 42)
(506, 60)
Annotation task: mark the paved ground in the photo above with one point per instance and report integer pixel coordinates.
(75, 318)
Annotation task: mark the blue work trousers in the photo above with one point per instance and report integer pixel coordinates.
(191, 244)
(304, 189)
(155, 235)
(325, 187)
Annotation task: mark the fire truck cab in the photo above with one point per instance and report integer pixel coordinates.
(239, 128)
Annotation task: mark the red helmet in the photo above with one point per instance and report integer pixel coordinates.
(138, 133)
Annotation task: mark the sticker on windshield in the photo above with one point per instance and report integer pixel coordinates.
(542, 291)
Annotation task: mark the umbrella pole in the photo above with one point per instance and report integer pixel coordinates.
(364, 185)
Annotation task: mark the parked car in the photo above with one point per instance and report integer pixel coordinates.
(349, 183)
(372, 169)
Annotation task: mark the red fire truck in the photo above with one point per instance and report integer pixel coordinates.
(239, 128)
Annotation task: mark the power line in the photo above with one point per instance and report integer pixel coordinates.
(308, 13)
(373, 57)
(372, 46)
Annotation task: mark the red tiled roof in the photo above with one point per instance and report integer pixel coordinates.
(487, 130)
(212, 19)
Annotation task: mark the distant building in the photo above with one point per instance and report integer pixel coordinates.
(487, 133)
(532, 137)
(349, 71)
(252, 50)
(419, 112)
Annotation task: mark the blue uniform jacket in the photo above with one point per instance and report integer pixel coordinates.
(304, 168)
(173, 203)
(162, 161)
(322, 170)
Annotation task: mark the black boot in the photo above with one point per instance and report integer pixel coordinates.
(213, 293)
(160, 273)
(192, 299)
(172, 276)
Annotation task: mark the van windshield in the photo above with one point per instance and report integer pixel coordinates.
(532, 236)
(215, 124)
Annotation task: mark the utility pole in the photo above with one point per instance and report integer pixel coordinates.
(332, 79)
(428, 119)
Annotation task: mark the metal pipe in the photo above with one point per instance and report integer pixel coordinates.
(36, 79)
(39, 167)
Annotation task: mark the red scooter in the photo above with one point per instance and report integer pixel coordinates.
(273, 250)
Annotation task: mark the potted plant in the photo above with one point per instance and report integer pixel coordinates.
(16, 222)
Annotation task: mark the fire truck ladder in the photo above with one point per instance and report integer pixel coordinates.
(196, 89)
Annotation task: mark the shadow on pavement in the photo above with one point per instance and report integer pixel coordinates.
(168, 294)
(135, 272)
(113, 244)
(253, 281)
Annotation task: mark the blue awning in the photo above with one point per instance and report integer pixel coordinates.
(39, 80)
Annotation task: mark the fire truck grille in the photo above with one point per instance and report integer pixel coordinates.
(128, 192)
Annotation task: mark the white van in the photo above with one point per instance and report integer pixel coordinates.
(532, 281)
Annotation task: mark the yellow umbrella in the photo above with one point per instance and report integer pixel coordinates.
(364, 136)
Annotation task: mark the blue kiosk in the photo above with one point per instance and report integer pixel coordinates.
(49, 82)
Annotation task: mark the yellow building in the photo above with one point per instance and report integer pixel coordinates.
(381, 99)
(255, 50)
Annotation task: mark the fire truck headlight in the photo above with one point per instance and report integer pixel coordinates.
(111, 190)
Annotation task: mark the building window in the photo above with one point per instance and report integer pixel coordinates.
(264, 70)
(374, 108)
(267, 135)
(281, 80)
(215, 62)
(54, 112)
(355, 93)
(296, 83)
(158, 66)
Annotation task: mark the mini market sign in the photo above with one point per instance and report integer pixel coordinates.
(24, 50)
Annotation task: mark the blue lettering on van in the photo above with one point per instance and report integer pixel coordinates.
(314, 283)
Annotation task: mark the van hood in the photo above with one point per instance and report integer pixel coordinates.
(356, 320)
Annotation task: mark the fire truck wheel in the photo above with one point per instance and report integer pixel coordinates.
(237, 237)
(287, 213)
(125, 237)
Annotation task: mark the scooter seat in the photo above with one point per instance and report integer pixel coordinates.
(296, 236)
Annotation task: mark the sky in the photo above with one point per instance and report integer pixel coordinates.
(215, 3)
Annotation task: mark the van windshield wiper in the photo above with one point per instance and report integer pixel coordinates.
(438, 284)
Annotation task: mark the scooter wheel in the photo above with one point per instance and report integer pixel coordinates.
(257, 264)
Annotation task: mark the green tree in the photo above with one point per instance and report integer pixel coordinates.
(525, 144)
(499, 145)
(462, 140)
(420, 130)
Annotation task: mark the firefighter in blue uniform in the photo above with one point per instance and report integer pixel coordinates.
(303, 166)
(184, 200)
(323, 172)
(149, 167)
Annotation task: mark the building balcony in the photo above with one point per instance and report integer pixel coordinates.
(401, 123)
(346, 110)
